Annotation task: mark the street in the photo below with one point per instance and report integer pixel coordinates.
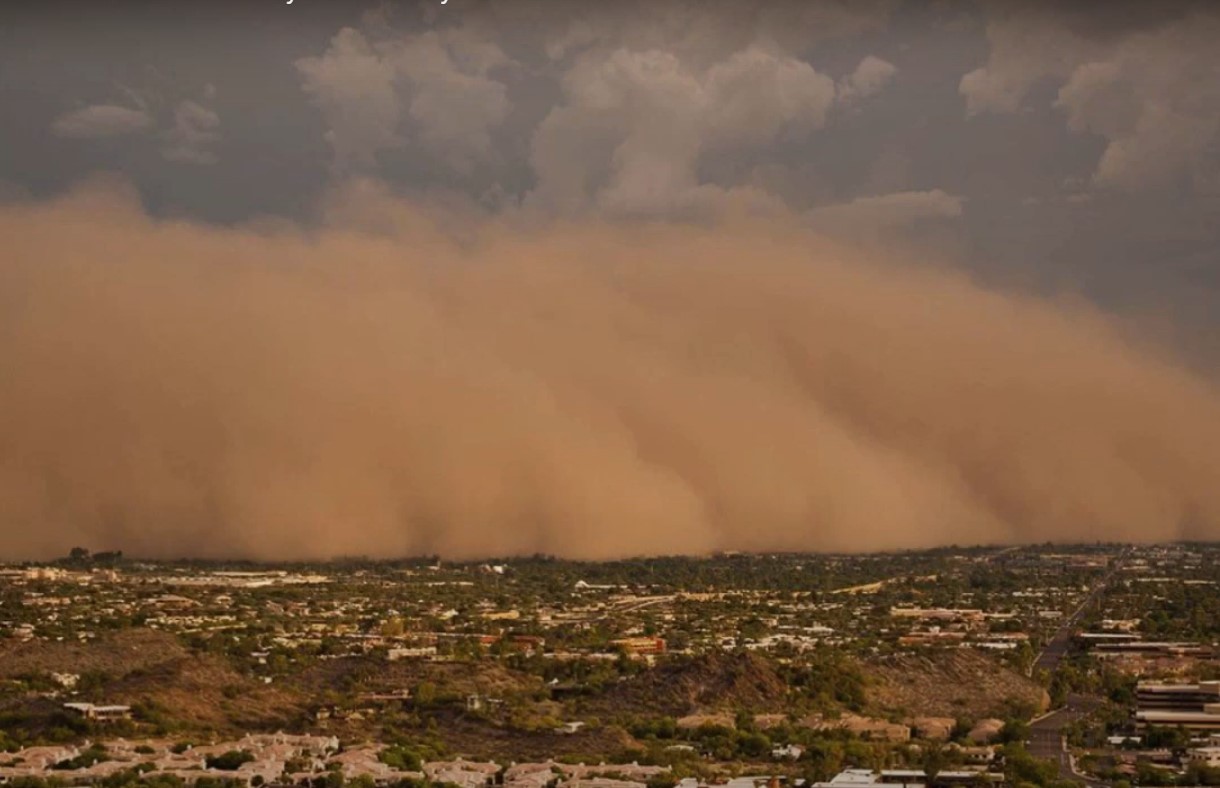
(1046, 734)
(1057, 647)
(1046, 737)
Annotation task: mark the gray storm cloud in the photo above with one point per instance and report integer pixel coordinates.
(585, 389)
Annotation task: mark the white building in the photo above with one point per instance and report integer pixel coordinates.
(100, 713)
(1206, 756)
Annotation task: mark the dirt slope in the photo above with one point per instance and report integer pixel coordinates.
(957, 683)
(203, 691)
(115, 655)
(712, 681)
(449, 678)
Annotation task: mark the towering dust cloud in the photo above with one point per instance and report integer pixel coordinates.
(588, 390)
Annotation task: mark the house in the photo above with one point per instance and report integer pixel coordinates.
(482, 702)
(530, 775)
(100, 713)
(861, 778)
(973, 756)
(463, 773)
(600, 782)
(644, 646)
(625, 771)
(1205, 756)
(359, 761)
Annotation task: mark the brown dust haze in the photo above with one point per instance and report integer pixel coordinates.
(587, 390)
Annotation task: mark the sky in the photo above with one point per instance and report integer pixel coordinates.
(600, 279)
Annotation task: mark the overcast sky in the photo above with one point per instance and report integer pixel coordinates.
(1053, 145)
(1065, 145)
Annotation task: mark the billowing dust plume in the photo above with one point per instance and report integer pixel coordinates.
(173, 389)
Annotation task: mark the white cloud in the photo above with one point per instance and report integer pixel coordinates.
(195, 128)
(869, 78)
(755, 95)
(353, 86)
(647, 93)
(1026, 46)
(185, 137)
(436, 84)
(633, 125)
(454, 105)
(100, 120)
(627, 135)
(1152, 92)
(1156, 99)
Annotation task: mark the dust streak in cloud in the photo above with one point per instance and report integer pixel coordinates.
(590, 390)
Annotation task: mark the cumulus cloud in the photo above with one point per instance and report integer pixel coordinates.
(100, 120)
(436, 84)
(629, 134)
(1156, 99)
(186, 135)
(354, 88)
(869, 78)
(754, 95)
(1152, 91)
(616, 105)
(582, 388)
(456, 104)
(1025, 48)
(194, 130)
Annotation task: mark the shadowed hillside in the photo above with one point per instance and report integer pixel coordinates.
(114, 655)
(712, 681)
(952, 683)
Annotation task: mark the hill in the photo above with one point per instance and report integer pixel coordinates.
(956, 683)
(114, 654)
(707, 682)
(448, 678)
(203, 691)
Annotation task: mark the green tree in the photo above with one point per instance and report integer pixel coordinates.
(400, 758)
(1014, 731)
(425, 694)
(230, 761)
(933, 761)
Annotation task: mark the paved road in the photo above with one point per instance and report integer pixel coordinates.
(1046, 737)
(1058, 645)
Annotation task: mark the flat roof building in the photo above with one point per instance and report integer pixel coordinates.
(1193, 706)
(100, 713)
(860, 778)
